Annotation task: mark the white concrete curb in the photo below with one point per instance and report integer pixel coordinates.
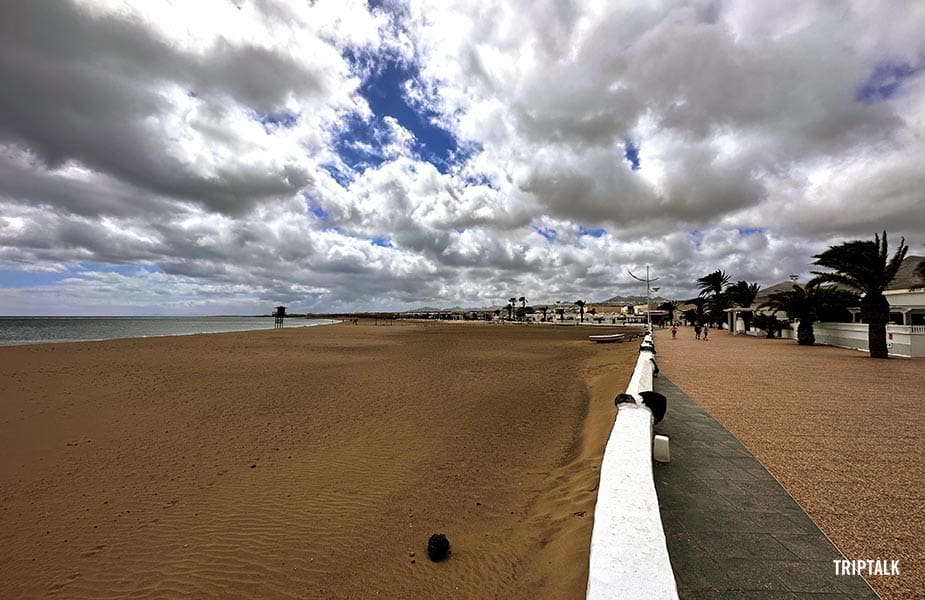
(629, 556)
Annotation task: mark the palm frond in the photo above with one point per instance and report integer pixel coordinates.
(892, 267)
(822, 277)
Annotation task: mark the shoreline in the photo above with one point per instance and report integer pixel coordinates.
(4, 344)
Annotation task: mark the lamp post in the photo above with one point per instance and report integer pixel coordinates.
(655, 289)
(648, 280)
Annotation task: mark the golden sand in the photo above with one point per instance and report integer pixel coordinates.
(305, 463)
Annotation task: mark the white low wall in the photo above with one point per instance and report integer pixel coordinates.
(902, 340)
(843, 335)
(629, 556)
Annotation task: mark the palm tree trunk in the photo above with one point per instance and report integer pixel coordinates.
(805, 334)
(877, 311)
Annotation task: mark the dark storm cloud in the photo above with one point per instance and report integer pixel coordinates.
(85, 88)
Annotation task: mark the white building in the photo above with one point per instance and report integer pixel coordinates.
(905, 332)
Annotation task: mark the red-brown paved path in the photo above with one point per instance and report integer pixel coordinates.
(844, 434)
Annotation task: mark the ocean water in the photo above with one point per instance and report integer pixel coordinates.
(39, 330)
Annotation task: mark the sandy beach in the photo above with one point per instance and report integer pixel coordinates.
(305, 463)
(841, 431)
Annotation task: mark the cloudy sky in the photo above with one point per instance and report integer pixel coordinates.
(226, 156)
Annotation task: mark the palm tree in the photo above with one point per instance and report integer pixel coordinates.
(512, 302)
(713, 283)
(864, 266)
(716, 308)
(807, 304)
(670, 306)
(767, 323)
(697, 314)
(581, 309)
(544, 309)
(742, 293)
(523, 307)
(711, 287)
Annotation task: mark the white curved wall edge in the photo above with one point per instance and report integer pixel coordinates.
(629, 556)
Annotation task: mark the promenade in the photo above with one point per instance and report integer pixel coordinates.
(841, 432)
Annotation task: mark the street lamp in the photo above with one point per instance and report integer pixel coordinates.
(648, 309)
(655, 290)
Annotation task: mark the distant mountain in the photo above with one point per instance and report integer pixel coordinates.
(632, 300)
(425, 309)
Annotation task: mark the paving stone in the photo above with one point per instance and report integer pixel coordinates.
(711, 521)
(700, 574)
(777, 522)
(809, 546)
(810, 576)
(749, 595)
(732, 544)
(732, 530)
(756, 575)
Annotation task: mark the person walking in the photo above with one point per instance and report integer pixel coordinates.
(706, 331)
(697, 329)
(674, 332)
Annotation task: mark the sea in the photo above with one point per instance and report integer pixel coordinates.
(41, 330)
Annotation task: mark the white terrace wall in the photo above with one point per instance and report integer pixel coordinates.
(629, 556)
(902, 340)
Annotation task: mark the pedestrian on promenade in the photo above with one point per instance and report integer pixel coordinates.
(706, 331)
(697, 329)
(674, 332)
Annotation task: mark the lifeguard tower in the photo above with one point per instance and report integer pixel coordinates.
(279, 315)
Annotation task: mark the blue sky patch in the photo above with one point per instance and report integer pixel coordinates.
(596, 233)
(359, 146)
(547, 232)
(273, 121)
(316, 209)
(16, 279)
(128, 270)
(697, 237)
(884, 81)
(631, 153)
(344, 178)
(744, 231)
(384, 90)
(479, 179)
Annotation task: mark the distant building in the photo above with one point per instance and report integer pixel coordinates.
(734, 314)
(905, 331)
(906, 294)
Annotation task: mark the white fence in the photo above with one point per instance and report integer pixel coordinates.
(629, 556)
(902, 340)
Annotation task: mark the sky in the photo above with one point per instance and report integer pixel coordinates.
(226, 157)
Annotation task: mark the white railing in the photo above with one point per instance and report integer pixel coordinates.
(629, 556)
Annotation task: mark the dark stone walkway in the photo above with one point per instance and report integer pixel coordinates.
(732, 530)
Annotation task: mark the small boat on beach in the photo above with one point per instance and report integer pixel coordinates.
(606, 339)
